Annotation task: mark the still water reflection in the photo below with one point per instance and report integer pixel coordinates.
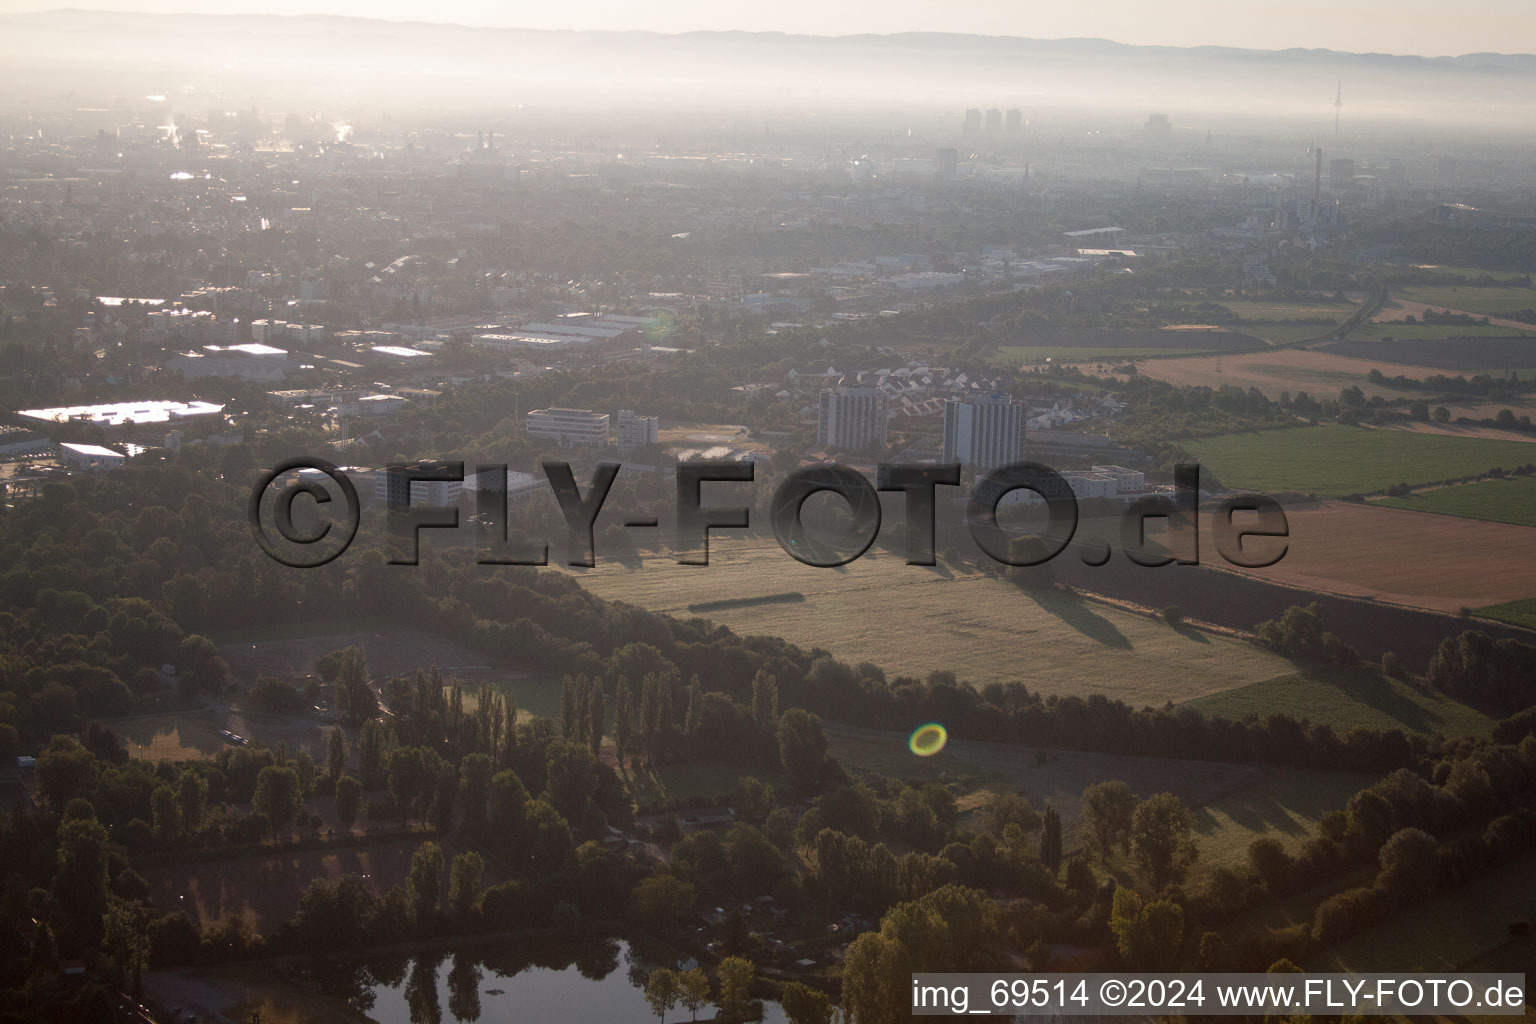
(538, 982)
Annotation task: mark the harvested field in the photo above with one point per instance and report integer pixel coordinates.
(1320, 374)
(1058, 353)
(1461, 430)
(914, 620)
(1238, 600)
(1336, 460)
(1396, 311)
(1435, 562)
(1206, 337)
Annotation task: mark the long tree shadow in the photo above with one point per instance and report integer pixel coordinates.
(1191, 633)
(1073, 611)
(1376, 691)
(1256, 813)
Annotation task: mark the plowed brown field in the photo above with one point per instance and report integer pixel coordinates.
(1426, 561)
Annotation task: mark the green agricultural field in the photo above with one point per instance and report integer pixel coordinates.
(1336, 460)
(912, 620)
(1351, 698)
(1490, 300)
(1401, 331)
(1516, 613)
(1283, 323)
(1446, 931)
(1511, 500)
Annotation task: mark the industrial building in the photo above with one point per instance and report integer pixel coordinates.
(124, 414)
(390, 488)
(569, 427)
(1113, 483)
(90, 458)
(252, 361)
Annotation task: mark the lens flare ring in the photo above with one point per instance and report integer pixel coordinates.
(928, 739)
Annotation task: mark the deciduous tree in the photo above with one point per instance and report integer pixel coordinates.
(1050, 839)
(1107, 811)
(735, 974)
(426, 882)
(802, 747)
(349, 800)
(1161, 839)
(464, 878)
(277, 797)
(661, 991)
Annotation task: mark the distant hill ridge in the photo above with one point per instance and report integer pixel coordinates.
(327, 59)
(76, 19)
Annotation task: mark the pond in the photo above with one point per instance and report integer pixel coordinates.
(536, 982)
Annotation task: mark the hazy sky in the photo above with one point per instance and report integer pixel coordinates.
(1430, 27)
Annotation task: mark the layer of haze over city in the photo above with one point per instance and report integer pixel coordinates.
(1365, 26)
